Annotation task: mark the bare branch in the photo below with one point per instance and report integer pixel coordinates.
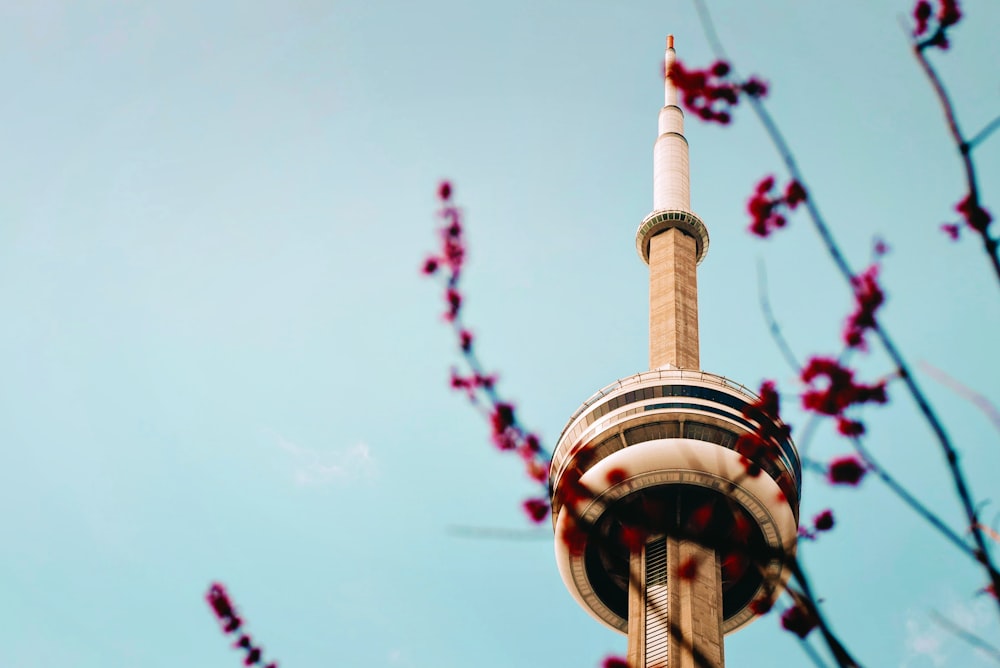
(975, 398)
(969, 637)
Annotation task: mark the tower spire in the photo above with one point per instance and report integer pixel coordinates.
(672, 240)
(671, 181)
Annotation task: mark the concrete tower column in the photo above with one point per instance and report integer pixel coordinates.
(672, 240)
(673, 301)
(674, 621)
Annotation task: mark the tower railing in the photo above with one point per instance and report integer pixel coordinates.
(660, 374)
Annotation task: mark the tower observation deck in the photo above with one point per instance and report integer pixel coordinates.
(668, 527)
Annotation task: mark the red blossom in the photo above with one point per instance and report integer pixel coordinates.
(973, 214)
(701, 517)
(770, 431)
(921, 15)
(848, 427)
(751, 467)
(767, 404)
(537, 471)
(754, 87)
(502, 420)
(880, 247)
(614, 662)
(688, 569)
(795, 194)
(537, 509)
(465, 340)
(616, 475)
(454, 299)
(444, 191)
(761, 606)
(846, 471)
(633, 537)
(823, 521)
(868, 297)
(832, 391)
(709, 93)
(571, 487)
(574, 537)
(798, 620)
(430, 265)
(948, 14)
(503, 417)
(767, 210)
(952, 230)
(720, 68)
(840, 391)
(219, 601)
(734, 565)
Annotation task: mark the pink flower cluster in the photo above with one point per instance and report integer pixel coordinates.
(710, 93)
(948, 14)
(480, 387)
(223, 608)
(973, 215)
(767, 208)
(868, 297)
(848, 470)
(799, 619)
(832, 391)
(822, 522)
(770, 430)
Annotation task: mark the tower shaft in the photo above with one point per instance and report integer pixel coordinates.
(673, 301)
(675, 606)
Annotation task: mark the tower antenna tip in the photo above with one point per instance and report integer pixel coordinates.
(670, 41)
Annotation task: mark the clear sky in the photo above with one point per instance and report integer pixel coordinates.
(219, 361)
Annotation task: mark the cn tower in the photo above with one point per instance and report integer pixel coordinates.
(668, 527)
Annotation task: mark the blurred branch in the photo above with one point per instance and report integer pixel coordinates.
(975, 398)
(969, 637)
(772, 322)
(498, 533)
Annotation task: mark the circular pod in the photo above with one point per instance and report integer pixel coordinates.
(661, 453)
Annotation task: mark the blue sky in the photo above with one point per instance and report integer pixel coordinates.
(219, 360)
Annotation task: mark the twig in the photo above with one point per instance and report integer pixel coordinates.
(231, 623)
(772, 323)
(964, 147)
(911, 500)
(840, 653)
(984, 133)
(975, 398)
(811, 653)
(966, 635)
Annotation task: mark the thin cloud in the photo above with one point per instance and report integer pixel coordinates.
(930, 641)
(318, 467)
